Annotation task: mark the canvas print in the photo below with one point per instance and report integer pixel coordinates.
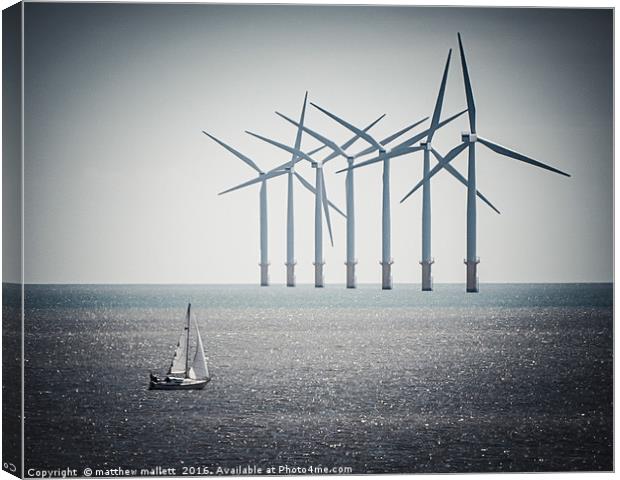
(303, 239)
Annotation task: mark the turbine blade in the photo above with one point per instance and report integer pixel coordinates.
(394, 136)
(352, 140)
(344, 215)
(421, 135)
(445, 160)
(258, 179)
(471, 106)
(450, 155)
(486, 200)
(299, 153)
(433, 171)
(317, 150)
(449, 119)
(517, 156)
(415, 139)
(300, 127)
(390, 154)
(238, 154)
(309, 186)
(316, 135)
(326, 209)
(362, 164)
(456, 174)
(283, 166)
(403, 151)
(439, 102)
(305, 182)
(354, 129)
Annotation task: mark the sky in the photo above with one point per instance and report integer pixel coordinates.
(121, 186)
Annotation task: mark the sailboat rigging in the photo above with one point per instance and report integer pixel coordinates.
(181, 375)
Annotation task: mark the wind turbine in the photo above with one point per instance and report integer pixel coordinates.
(320, 205)
(469, 140)
(262, 179)
(384, 157)
(349, 184)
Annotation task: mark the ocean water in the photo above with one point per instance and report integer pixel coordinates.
(516, 378)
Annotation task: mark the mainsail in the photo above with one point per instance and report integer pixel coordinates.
(199, 370)
(179, 361)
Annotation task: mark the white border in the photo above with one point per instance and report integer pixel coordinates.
(472, 3)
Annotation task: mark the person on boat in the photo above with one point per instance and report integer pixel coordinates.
(154, 378)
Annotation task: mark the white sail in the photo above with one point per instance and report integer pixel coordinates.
(179, 361)
(199, 370)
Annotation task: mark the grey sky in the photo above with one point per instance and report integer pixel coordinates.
(121, 184)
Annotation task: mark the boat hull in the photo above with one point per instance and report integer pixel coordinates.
(186, 384)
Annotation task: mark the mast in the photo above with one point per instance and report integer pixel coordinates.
(427, 260)
(189, 306)
(264, 252)
(318, 227)
(386, 256)
(290, 233)
(350, 263)
(472, 260)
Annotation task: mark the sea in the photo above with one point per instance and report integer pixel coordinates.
(516, 378)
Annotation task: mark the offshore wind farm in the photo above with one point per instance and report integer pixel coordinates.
(419, 142)
(385, 232)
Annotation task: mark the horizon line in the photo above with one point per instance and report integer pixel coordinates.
(304, 284)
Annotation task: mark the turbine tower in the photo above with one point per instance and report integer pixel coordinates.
(469, 140)
(290, 211)
(320, 207)
(262, 177)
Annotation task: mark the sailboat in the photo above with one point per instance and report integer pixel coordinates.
(181, 375)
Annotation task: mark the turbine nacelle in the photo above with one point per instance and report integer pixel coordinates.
(468, 137)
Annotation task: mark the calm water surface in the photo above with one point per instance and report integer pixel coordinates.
(516, 378)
